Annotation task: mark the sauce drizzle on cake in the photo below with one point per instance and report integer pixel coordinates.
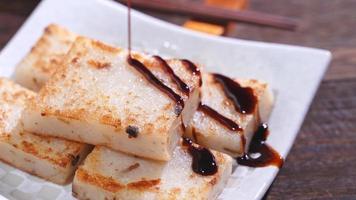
(243, 98)
(228, 123)
(193, 68)
(181, 85)
(203, 160)
(156, 82)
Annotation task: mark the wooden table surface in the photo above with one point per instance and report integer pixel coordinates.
(322, 162)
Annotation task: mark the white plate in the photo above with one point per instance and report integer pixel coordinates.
(293, 72)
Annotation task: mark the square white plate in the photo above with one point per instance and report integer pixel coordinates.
(293, 72)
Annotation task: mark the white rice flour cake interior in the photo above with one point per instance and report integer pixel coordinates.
(113, 175)
(219, 123)
(98, 97)
(134, 108)
(45, 56)
(50, 158)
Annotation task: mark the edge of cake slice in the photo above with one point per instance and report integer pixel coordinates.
(50, 158)
(106, 174)
(44, 57)
(98, 98)
(206, 130)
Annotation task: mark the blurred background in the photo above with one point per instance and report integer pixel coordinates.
(322, 163)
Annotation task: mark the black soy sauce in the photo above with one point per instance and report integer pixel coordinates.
(193, 68)
(243, 98)
(203, 160)
(140, 67)
(228, 123)
(181, 85)
(268, 156)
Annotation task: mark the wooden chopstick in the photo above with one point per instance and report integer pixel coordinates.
(215, 13)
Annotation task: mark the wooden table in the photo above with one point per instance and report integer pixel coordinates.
(322, 162)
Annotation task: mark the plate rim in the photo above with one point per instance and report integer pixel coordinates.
(322, 54)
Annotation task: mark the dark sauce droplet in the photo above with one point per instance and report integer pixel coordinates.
(243, 97)
(203, 160)
(156, 82)
(228, 123)
(268, 156)
(181, 85)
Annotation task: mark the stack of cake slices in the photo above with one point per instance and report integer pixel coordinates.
(138, 126)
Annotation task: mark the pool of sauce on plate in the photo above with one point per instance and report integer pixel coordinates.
(203, 160)
(267, 155)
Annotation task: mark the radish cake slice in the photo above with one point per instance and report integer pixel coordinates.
(230, 112)
(44, 58)
(101, 96)
(107, 174)
(50, 158)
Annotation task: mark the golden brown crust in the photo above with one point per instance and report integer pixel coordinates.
(13, 95)
(45, 61)
(31, 149)
(17, 94)
(45, 57)
(106, 183)
(35, 148)
(99, 64)
(104, 47)
(28, 148)
(75, 114)
(55, 29)
(143, 185)
(61, 159)
(109, 120)
(109, 184)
